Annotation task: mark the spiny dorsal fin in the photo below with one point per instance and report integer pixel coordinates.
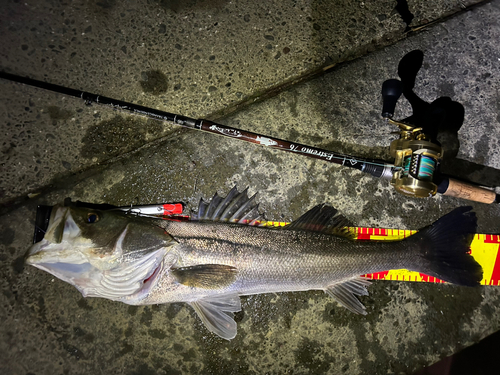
(236, 207)
(322, 218)
(206, 276)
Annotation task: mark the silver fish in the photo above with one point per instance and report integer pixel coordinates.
(221, 254)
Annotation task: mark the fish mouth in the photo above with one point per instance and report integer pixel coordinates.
(53, 247)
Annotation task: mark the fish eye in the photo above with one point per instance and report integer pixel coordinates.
(92, 218)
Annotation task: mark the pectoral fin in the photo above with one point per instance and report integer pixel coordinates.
(207, 276)
(217, 314)
(345, 293)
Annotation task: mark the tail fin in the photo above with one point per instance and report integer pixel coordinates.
(444, 246)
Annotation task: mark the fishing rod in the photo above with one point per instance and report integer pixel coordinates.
(376, 168)
(416, 158)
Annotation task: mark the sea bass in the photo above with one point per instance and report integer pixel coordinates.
(222, 254)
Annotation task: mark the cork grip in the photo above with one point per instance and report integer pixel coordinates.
(459, 189)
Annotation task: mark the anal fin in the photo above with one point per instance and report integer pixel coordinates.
(217, 314)
(345, 293)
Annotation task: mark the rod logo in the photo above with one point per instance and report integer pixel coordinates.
(266, 141)
(228, 132)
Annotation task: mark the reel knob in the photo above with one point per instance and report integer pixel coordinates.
(391, 91)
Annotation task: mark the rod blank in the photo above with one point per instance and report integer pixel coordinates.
(374, 167)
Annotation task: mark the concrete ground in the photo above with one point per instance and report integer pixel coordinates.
(254, 67)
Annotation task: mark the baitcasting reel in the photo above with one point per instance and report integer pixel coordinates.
(416, 160)
(416, 157)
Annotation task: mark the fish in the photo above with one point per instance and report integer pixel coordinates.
(223, 253)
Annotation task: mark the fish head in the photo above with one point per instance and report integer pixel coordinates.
(110, 254)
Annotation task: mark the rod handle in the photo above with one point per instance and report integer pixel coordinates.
(460, 189)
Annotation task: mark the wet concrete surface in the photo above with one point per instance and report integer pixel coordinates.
(200, 58)
(49, 328)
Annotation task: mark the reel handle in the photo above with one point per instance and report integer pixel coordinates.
(391, 91)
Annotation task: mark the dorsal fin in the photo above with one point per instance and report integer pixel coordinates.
(236, 207)
(322, 218)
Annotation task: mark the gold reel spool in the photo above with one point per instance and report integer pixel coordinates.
(416, 159)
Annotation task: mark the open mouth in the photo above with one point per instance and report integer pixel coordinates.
(42, 220)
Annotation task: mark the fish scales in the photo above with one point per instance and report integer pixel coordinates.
(220, 255)
(278, 260)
